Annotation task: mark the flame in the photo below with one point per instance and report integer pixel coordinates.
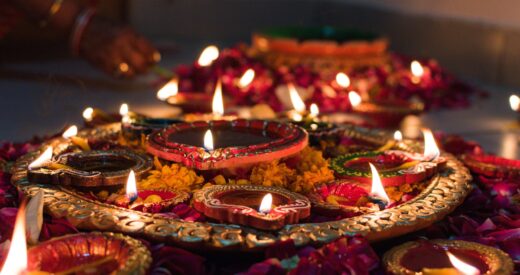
(355, 98)
(416, 68)
(70, 132)
(131, 187)
(88, 113)
(267, 202)
(343, 80)
(514, 101)
(296, 100)
(42, 160)
(246, 78)
(16, 260)
(377, 186)
(168, 90)
(208, 140)
(398, 135)
(315, 111)
(123, 110)
(461, 266)
(431, 151)
(218, 102)
(208, 55)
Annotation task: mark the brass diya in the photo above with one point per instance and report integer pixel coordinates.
(442, 194)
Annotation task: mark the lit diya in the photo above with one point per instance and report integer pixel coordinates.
(87, 169)
(261, 207)
(384, 114)
(446, 257)
(84, 253)
(492, 166)
(219, 144)
(95, 117)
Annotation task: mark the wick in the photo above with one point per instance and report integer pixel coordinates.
(381, 203)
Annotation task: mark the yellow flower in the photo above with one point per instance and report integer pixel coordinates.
(175, 176)
(272, 174)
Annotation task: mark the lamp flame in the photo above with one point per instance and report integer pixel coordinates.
(431, 151)
(343, 80)
(315, 111)
(246, 78)
(16, 260)
(398, 135)
(208, 55)
(265, 205)
(123, 110)
(461, 266)
(131, 186)
(218, 102)
(208, 140)
(70, 132)
(377, 186)
(88, 113)
(354, 98)
(296, 100)
(514, 101)
(42, 160)
(168, 90)
(416, 68)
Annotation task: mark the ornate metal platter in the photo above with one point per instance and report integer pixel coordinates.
(445, 191)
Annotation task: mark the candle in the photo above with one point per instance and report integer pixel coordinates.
(71, 134)
(208, 55)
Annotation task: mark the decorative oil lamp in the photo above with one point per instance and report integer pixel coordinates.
(492, 166)
(261, 207)
(234, 144)
(188, 101)
(446, 257)
(384, 114)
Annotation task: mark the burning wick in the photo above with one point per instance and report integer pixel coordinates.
(315, 111)
(354, 98)
(514, 101)
(123, 111)
(208, 141)
(131, 187)
(16, 261)
(461, 266)
(417, 69)
(43, 160)
(296, 100)
(431, 151)
(208, 55)
(71, 133)
(218, 101)
(343, 80)
(168, 90)
(88, 114)
(265, 205)
(246, 78)
(377, 193)
(398, 136)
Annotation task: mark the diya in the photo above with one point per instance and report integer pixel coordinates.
(261, 207)
(446, 257)
(219, 144)
(493, 166)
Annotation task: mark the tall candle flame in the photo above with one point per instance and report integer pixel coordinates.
(514, 101)
(296, 100)
(88, 113)
(343, 80)
(431, 151)
(266, 204)
(208, 55)
(131, 186)
(461, 266)
(218, 101)
(354, 98)
(377, 186)
(208, 140)
(168, 90)
(16, 261)
(416, 68)
(246, 78)
(70, 132)
(123, 110)
(315, 111)
(398, 135)
(42, 160)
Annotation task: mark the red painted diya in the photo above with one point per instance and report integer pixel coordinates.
(446, 257)
(492, 166)
(237, 143)
(91, 253)
(395, 167)
(239, 204)
(388, 114)
(152, 200)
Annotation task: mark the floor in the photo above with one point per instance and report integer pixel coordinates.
(42, 98)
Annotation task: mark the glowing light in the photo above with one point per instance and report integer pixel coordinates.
(296, 100)
(88, 113)
(246, 78)
(70, 132)
(16, 261)
(208, 140)
(315, 111)
(208, 55)
(431, 151)
(416, 68)
(123, 110)
(266, 204)
(296, 117)
(377, 186)
(131, 186)
(168, 90)
(42, 160)
(398, 135)
(461, 266)
(514, 101)
(343, 80)
(218, 101)
(354, 98)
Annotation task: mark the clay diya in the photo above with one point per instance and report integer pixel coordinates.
(492, 166)
(218, 144)
(135, 128)
(446, 257)
(261, 207)
(89, 168)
